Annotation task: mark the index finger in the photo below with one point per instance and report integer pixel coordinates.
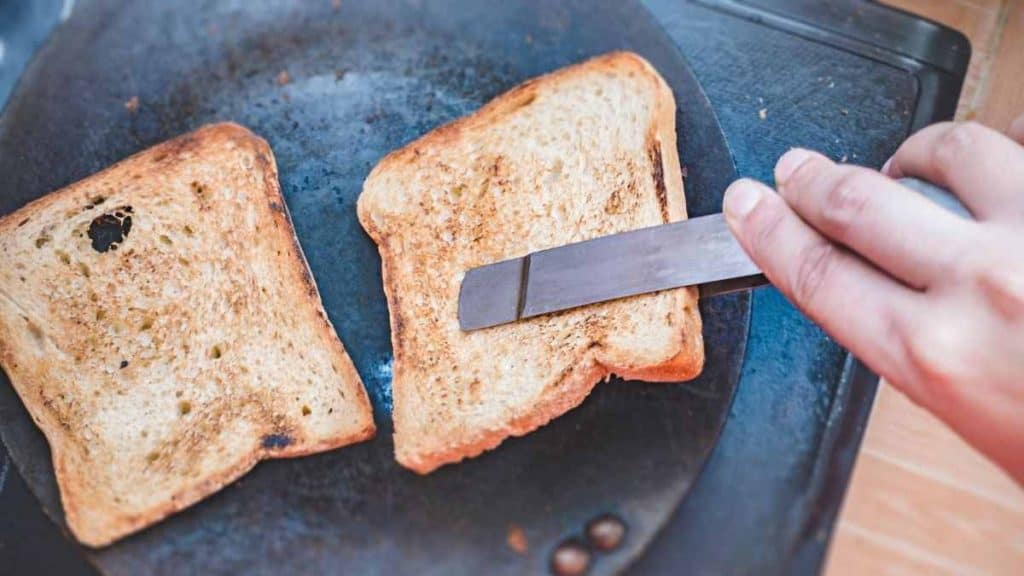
(860, 306)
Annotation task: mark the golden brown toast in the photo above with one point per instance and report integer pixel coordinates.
(160, 324)
(585, 151)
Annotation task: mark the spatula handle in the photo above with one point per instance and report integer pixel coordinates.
(939, 195)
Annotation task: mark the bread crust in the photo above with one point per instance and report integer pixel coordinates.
(98, 524)
(590, 367)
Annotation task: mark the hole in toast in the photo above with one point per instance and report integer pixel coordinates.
(108, 230)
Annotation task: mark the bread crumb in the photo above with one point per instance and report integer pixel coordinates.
(516, 539)
(283, 78)
(762, 113)
(132, 105)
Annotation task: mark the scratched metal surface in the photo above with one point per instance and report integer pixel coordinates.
(365, 79)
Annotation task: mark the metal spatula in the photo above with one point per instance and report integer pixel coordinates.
(697, 252)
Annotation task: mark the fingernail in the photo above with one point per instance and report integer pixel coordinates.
(741, 198)
(885, 167)
(788, 164)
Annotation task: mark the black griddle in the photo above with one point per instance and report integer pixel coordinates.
(767, 499)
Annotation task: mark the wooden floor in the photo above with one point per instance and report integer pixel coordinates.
(921, 501)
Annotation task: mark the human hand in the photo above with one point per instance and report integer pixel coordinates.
(931, 301)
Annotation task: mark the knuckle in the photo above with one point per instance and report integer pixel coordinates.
(844, 204)
(812, 272)
(936, 348)
(1003, 287)
(952, 146)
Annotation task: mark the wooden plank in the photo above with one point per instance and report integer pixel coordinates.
(895, 503)
(903, 432)
(986, 4)
(1002, 98)
(858, 551)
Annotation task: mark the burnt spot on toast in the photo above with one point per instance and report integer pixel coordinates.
(276, 441)
(519, 97)
(108, 230)
(522, 100)
(398, 327)
(202, 195)
(658, 172)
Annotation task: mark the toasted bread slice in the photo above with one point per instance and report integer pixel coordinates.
(160, 324)
(585, 151)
